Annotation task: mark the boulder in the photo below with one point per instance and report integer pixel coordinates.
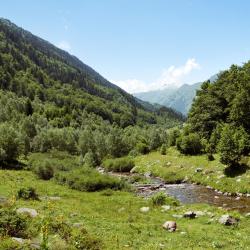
(144, 209)
(54, 198)
(28, 211)
(227, 220)
(18, 240)
(170, 226)
(165, 208)
(133, 170)
(199, 213)
(147, 174)
(177, 215)
(189, 214)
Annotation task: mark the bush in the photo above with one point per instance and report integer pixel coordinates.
(232, 145)
(159, 199)
(123, 164)
(163, 149)
(189, 144)
(84, 240)
(44, 170)
(60, 160)
(12, 224)
(10, 145)
(61, 228)
(10, 244)
(88, 179)
(173, 135)
(142, 148)
(27, 194)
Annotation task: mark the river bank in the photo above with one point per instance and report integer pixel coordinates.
(176, 168)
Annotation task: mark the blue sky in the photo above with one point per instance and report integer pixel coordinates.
(142, 44)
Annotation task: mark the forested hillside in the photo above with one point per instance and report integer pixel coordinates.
(219, 120)
(50, 99)
(34, 68)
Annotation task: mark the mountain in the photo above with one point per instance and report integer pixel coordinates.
(34, 68)
(179, 99)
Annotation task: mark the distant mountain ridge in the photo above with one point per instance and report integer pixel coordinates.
(179, 99)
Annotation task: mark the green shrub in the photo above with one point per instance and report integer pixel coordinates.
(163, 149)
(123, 164)
(27, 194)
(10, 144)
(88, 179)
(83, 240)
(10, 244)
(232, 145)
(12, 224)
(44, 170)
(62, 161)
(189, 144)
(142, 148)
(61, 228)
(159, 199)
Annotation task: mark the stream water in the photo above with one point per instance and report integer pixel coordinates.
(192, 193)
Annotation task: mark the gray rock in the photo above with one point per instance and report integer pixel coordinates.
(3, 199)
(170, 226)
(54, 198)
(18, 240)
(147, 174)
(177, 215)
(77, 224)
(189, 214)
(165, 208)
(199, 213)
(227, 220)
(144, 209)
(133, 170)
(28, 211)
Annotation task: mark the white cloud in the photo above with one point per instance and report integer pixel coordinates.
(132, 85)
(64, 45)
(171, 77)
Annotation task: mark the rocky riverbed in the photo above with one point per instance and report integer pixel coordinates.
(188, 193)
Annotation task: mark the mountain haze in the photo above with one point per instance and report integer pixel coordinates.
(179, 99)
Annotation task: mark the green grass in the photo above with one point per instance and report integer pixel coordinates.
(117, 221)
(175, 167)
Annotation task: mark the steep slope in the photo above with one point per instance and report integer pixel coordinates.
(179, 99)
(33, 68)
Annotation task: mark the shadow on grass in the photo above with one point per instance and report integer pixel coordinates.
(11, 165)
(236, 170)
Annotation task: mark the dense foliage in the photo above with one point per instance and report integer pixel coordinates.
(219, 120)
(51, 100)
(123, 164)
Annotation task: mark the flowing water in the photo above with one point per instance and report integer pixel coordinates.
(192, 193)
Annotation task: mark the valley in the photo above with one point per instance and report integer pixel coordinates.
(85, 165)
